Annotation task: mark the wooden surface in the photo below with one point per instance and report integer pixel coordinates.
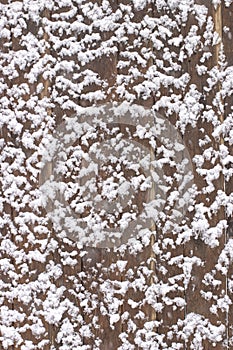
(175, 292)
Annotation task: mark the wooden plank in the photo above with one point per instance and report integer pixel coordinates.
(95, 331)
(169, 287)
(32, 330)
(199, 288)
(67, 330)
(7, 266)
(136, 312)
(227, 35)
(97, 261)
(17, 317)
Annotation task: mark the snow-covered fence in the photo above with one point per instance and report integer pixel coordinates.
(116, 118)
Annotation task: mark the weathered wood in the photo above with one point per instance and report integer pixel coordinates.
(137, 297)
(7, 263)
(169, 273)
(199, 286)
(227, 35)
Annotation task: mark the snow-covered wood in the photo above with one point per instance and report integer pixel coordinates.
(171, 285)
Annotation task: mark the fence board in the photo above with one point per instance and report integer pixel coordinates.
(227, 31)
(6, 282)
(199, 287)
